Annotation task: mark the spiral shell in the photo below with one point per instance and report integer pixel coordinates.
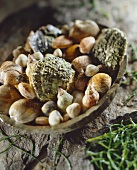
(101, 82)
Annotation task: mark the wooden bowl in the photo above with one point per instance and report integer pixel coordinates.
(16, 36)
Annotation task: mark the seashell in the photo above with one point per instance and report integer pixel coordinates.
(22, 60)
(64, 99)
(16, 52)
(55, 118)
(77, 97)
(48, 107)
(8, 95)
(57, 53)
(48, 75)
(91, 70)
(62, 42)
(86, 44)
(82, 29)
(72, 52)
(26, 90)
(42, 120)
(38, 42)
(80, 63)
(38, 55)
(12, 77)
(24, 110)
(10, 65)
(90, 99)
(66, 117)
(101, 82)
(73, 110)
(110, 47)
(81, 82)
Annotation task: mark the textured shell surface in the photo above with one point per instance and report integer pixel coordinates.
(47, 75)
(110, 47)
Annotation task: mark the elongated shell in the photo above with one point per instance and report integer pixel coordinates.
(24, 110)
(8, 95)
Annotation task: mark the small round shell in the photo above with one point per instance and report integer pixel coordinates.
(24, 110)
(101, 82)
(57, 53)
(38, 55)
(86, 44)
(80, 63)
(62, 42)
(22, 60)
(42, 120)
(26, 90)
(48, 107)
(73, 110)
(64, 100)
(91, 70)
(55, 118)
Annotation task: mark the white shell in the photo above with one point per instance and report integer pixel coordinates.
(73, 110)
(57, 53)
(38, 55)
(22, 60)
(55, 118)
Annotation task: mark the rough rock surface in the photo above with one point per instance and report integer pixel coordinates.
(73, 142)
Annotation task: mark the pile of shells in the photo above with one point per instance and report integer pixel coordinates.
(60, 72)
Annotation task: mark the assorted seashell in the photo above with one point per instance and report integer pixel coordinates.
(72, 52)
(91, 70)
(22, 60)
(81, 82)
(64, 99)
(86, 44)
(59, 73)
(57, 53)
(24, 110)
(62, 42)
(82, 29)
(42, 120)
(48, 107)
(73, 110)
(101, 82)
(80, 63)
(26, 90)
(8, 95)
(55, 118)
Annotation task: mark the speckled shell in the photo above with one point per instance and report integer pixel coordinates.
(110, 47)
(48, 75)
